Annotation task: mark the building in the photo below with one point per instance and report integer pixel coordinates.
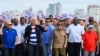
(30, 9)
(54, 9)
(80, 13)
(94, 10)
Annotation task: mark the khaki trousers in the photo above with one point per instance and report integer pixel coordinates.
(59, 52)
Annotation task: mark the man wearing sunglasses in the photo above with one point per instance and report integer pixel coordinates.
(9, 39)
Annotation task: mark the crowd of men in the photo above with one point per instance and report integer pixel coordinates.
(49, 37)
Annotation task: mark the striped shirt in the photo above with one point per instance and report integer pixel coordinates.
(33, 37)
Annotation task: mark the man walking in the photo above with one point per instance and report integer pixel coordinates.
(75, 32)
(32, 37)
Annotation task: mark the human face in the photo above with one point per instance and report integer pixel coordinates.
(75, 21)
(81, 22)
(60, 27)
(33, 21)
(48, 22)
(55, 22)
(22, 21)
(9, 25)
(15, 21)
(68, 22)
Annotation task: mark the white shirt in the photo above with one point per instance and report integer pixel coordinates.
(75, 33)
(20, 31)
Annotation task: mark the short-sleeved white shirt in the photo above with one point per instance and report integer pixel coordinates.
(20, 31)
(75, 33)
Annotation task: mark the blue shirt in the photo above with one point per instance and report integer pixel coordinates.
(9, 38)
(46, 36)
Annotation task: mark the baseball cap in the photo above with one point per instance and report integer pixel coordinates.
(90, 26)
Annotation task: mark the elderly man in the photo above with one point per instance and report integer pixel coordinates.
(10, 39)
(32, 37)
(59, 41)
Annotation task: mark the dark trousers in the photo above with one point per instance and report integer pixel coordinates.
(33, 50)
(74, 49)
(9, 52)
(82, 52)
(19, 50)
(1, 51)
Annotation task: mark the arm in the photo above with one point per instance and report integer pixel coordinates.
(65, 43)
(52, 40)
(1, 29)
(1, 33)
(16, 40)
(82, 43)
(97, 39)
(26, 35)
(97, 43)
(44, 28)
(83, 36)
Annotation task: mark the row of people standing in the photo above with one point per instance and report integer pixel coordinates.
(53, 37)
(79, 35)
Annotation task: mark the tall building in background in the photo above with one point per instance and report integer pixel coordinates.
(54, 9)
(94, 10)
(80, 13)
(30, 9)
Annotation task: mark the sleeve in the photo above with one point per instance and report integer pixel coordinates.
(42, 29)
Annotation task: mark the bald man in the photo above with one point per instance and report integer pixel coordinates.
(10, 39)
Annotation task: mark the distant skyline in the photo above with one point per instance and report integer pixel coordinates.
(69, 6)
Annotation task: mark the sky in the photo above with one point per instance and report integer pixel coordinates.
(68, 6)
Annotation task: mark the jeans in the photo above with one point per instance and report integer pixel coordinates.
(74, 49)
(89, 53)
(33, 50)
(9, 52)
(46, 49)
